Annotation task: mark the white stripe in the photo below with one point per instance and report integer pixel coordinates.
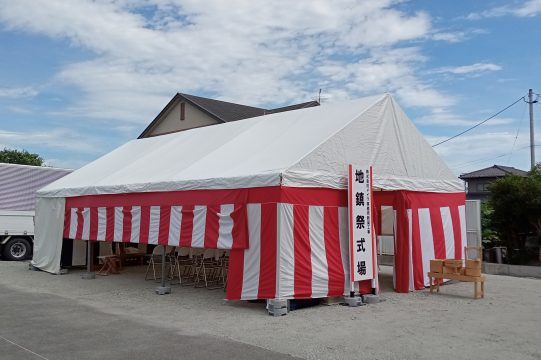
(174, 225)
(320, 271)
(135, 224)
(462, 216)
(286, 265)
(343, 224)
(154, 226)
(102, 220)
(250, 278)
(119, 224)
(427, 241)
(410, 240)
(448, 233)
(73, 223)
(86, 224)
(199, 221)
(225, 230)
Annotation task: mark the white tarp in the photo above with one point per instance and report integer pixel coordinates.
(306, 148)
(48, 234)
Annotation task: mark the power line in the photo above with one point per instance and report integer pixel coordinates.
(516, 136)
(481, 123)
(471, 162)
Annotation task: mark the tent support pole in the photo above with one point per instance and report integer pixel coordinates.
(89, 274)
(162, 290)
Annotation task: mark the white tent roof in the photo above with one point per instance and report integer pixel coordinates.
(305, 148)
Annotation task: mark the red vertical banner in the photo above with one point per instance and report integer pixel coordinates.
(361, 234)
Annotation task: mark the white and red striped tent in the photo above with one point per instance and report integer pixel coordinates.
(273, 190)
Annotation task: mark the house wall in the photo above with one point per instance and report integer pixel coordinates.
(171, 121)
(478, 189)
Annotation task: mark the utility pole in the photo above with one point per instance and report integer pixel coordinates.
(531, 101)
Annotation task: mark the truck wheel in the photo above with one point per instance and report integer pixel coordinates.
(17, 249)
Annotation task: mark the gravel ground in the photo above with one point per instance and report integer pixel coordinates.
(450, 325)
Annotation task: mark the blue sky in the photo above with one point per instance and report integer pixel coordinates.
(80, 78)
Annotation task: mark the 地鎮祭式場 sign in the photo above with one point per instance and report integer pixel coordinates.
(361, 238)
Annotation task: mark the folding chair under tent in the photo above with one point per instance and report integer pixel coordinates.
(273, 191)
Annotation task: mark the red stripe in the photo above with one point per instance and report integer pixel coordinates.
(93, 232)
(240, 227)
(126, 223)
(212, 224)
(267, 262)
(67, 222)
(80, 222)
(332, 251)
(186, 228)
(145, 223)
(109, 223)
(417, 252)
(401, 258)
(457, 231)
(303, 261)
(437, 233)
(165, 220)
(350, 214)
(365, 287)
(278, 194)
(235, 274)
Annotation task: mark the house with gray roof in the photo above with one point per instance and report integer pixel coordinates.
(186, 111)
(477, 182)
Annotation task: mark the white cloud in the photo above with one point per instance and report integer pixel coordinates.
(474, 151)
(528, 8)
(443, 117)
(17, 92)
(58, 138)
(469, 69)
(257, 53)
(452, 37)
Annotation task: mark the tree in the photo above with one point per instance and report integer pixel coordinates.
(13, 156)
(516, 204)
(489, 234)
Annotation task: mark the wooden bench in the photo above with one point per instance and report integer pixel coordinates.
(477, 293)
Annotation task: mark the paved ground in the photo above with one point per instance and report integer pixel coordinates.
(52, 327)
(64, 317)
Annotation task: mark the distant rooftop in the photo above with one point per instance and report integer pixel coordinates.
(493, 171)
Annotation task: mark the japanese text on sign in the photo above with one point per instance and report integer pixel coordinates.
(361, 240)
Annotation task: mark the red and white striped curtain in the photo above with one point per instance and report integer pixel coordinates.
(285, 242)
(212, 227)
(296, 251)
(427, 226)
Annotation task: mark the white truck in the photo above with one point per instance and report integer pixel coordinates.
(16, 234)
(18, 186)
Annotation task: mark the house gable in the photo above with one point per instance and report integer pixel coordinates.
(173, 121)
(186, 111)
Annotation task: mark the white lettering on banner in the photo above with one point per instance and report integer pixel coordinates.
(361, 236)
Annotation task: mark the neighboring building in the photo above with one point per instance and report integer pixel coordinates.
(186, 111)
(477, 182)
(19, 183)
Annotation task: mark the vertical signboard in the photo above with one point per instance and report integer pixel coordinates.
(361, 237)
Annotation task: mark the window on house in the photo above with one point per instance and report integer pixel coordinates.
(482, 187)
(182, 111)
